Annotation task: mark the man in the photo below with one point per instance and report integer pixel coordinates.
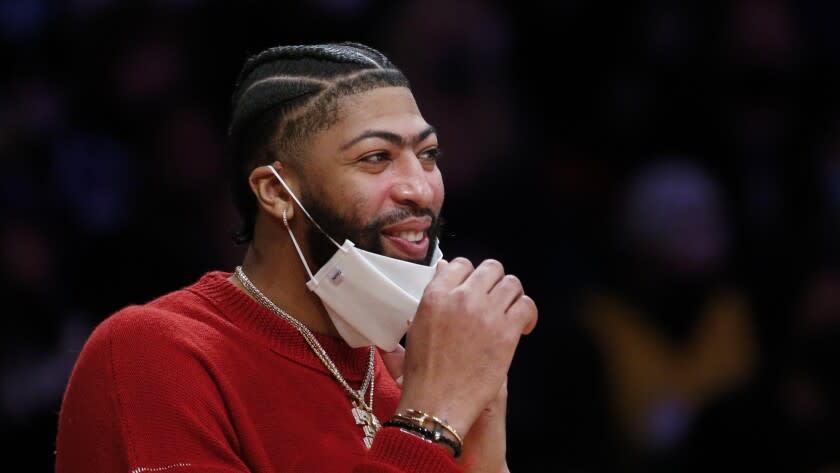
(275, 367)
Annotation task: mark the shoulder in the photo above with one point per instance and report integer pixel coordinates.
(176, 340)
(181, 318)
(147, 383)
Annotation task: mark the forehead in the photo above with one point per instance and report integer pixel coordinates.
(390, 109)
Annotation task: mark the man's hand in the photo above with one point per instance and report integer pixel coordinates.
(462, 340)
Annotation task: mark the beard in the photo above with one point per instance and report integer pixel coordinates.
(366, 236)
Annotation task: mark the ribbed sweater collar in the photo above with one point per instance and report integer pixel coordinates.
(247, 314)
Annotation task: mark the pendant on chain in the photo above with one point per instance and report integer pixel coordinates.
(370, 424)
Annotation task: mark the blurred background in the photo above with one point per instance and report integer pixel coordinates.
(664, 177)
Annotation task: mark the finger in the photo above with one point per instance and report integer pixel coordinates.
(524, 313)
(485, 276)
(506, 292)
(394, 362)
(453, 273)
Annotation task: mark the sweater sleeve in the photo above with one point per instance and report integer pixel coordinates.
(397, 452)
(139, 402)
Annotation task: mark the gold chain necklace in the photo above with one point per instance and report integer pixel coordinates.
(362, 411)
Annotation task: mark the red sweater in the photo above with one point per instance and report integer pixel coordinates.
(206, 379)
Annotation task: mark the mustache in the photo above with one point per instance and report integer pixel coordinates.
(400, 214)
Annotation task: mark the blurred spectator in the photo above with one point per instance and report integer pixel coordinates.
(671, 335)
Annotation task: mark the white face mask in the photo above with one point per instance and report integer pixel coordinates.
(370, 298)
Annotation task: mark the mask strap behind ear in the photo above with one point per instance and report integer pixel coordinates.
(294, 197)
(297, 247)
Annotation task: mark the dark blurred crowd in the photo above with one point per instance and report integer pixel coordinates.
(663, 176)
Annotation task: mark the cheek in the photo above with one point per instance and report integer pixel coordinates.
(436, 185)
(438, 196)
(353, 204)
(366, 199)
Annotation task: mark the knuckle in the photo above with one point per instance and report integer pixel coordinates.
(529, 303)
(527, 311)
(520, 308)
(433, 295)
(465, 302)
(493, 264)
(432, 288)
(463, 261)
(460, 296)
(512, 281)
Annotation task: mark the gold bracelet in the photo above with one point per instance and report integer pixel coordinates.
(412, 428)
(419, 417)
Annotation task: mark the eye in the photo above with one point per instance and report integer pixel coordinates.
(431, 154)
(375, 158)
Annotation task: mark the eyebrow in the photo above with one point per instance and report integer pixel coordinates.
(388, 136)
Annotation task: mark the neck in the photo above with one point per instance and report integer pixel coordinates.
(276, 270)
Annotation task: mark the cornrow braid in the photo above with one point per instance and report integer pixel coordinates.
(285, 94)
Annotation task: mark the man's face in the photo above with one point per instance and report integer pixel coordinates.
(372, 177)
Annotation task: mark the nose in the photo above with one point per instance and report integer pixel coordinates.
(411, 184)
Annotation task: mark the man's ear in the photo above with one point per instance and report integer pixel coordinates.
(271, 195)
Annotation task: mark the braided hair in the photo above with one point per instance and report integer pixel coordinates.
(285, 94)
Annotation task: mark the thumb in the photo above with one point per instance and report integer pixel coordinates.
(394, 361)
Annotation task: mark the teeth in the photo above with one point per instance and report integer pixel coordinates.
(411, 236)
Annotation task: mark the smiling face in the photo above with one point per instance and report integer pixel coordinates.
(372, 177)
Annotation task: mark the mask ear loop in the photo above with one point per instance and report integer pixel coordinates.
(291, 234)
(294, 197)
(297, 247)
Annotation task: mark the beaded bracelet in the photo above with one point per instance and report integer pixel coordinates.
(420, 417)
(425, 433)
